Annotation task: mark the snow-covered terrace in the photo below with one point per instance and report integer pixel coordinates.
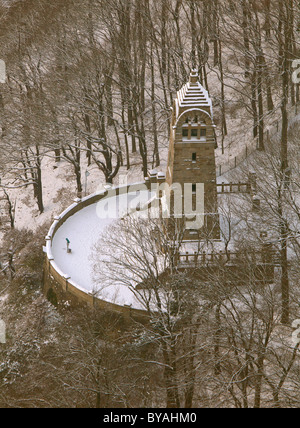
(83, 224)
(84, 229)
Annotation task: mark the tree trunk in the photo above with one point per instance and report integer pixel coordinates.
(261, 144)
(39, 184)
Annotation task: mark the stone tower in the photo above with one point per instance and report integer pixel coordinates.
(192, 152)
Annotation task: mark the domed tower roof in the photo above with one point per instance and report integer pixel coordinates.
(193, 96)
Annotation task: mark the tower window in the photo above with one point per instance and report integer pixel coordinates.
(203, 133)
(194, 157)
(194, 133)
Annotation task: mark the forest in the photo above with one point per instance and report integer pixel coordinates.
(88, 101)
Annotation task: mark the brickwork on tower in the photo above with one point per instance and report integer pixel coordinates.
(192, 151)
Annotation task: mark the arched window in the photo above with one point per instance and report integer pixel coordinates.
(194, 128)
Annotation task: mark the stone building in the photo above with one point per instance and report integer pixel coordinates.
(202, 253)
(192, 152)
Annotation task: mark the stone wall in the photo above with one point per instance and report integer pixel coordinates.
(59, 287)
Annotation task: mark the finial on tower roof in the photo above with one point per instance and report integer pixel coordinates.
(194, 76)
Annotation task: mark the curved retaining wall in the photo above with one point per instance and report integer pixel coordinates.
(58, 285)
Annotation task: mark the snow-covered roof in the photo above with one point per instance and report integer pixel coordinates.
(193, 94)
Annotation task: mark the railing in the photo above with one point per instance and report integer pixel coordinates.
(234, 188)
(263, 257)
